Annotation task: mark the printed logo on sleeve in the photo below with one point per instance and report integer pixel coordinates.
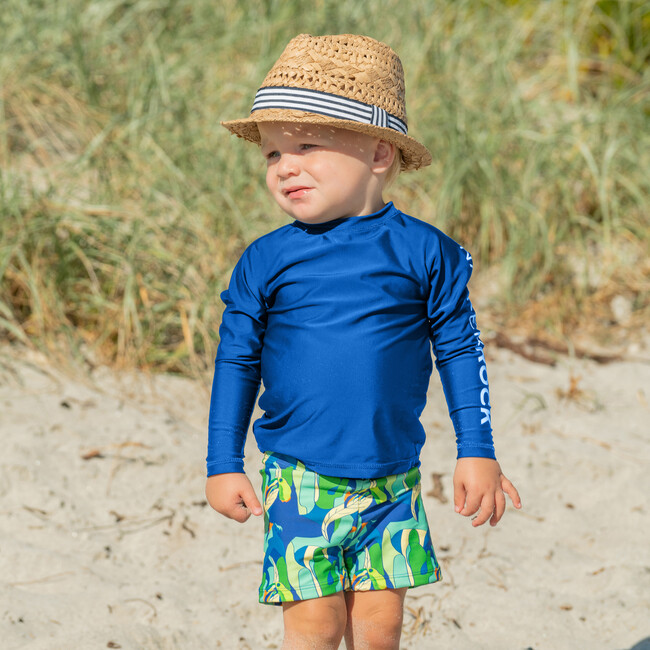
(482, 373)
(468, 257)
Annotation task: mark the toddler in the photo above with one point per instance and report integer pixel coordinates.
(337, 313)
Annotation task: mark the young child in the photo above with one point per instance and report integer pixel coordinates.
(336, 313)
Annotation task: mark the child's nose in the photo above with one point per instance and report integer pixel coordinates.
(288, 166)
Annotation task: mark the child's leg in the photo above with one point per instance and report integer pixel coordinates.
(318, 623)
(374, 619)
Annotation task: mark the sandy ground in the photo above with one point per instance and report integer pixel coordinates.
(106, 540)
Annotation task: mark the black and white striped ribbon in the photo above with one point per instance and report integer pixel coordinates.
(315, 101)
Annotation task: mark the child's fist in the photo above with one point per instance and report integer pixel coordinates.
(480, 487)
(232, 495)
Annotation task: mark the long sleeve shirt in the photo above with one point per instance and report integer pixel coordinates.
(338, 321)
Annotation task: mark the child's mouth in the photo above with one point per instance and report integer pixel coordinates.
(296, 192)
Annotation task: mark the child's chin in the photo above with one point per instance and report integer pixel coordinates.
(308, 217)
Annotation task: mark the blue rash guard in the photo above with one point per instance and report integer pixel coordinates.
(337, 320)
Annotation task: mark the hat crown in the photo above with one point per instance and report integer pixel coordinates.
(348, 65)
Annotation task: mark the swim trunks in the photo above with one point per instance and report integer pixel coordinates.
(327, 534)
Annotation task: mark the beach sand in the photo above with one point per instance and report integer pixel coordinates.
(107, 541)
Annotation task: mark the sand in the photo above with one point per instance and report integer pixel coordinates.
(107, 542)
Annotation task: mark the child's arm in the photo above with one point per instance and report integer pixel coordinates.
(237, 369)
(232, 495)
(479, 486)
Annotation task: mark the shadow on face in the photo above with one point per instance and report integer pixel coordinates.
(351, 143)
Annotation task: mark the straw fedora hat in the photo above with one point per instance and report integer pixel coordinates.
(348, 81)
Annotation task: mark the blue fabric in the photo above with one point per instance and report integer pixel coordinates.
(338, 321)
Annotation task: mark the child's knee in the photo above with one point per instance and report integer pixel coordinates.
(375, 620)
(377, 631)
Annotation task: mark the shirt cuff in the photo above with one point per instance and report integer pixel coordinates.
(226, 466)
(476, 451)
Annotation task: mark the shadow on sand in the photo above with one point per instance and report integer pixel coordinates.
(642, 645)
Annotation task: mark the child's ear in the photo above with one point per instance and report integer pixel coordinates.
(384, 156)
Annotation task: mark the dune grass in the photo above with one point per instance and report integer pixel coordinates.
(124, 204)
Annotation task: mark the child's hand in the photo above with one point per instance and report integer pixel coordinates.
(233, 496)
(479, 486)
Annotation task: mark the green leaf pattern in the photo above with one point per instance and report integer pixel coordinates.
(324, 534)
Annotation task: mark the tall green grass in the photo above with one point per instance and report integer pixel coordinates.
(124, 204)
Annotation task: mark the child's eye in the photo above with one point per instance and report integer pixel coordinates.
(271, 155)
(305, 147)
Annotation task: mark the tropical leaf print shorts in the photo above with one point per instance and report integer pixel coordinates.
(325, 534)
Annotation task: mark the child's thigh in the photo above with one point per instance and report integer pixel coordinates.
(375, 604)
(322, 619)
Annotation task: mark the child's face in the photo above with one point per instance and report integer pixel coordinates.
(318, 173)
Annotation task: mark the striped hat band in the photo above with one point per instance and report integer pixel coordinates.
(316, 101)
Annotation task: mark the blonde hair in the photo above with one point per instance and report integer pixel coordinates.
(394, 169)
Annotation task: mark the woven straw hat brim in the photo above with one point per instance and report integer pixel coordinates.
(414, 154)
